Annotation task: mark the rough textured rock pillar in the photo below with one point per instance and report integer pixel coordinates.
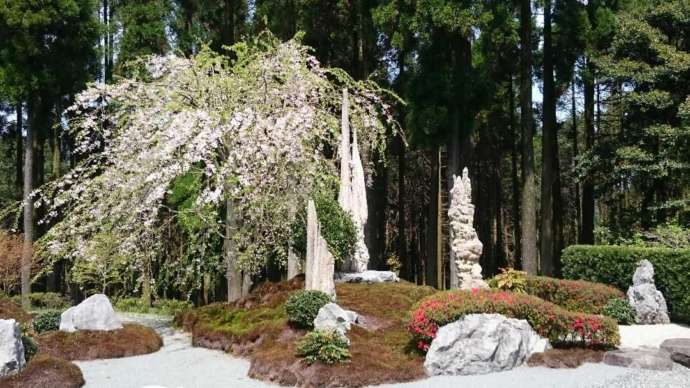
(292, 264)
(352, 196)
(464, 243)
(320, 263)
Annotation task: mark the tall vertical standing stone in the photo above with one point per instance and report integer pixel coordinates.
(353, 196)
(320, 263)
(464, 243)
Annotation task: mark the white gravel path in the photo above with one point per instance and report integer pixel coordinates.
(176, 365)
(636, 336)
(179, 365)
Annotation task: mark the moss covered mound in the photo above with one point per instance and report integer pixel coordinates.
(45, 371)
(257, 327)
(11, 310)
(131, 340)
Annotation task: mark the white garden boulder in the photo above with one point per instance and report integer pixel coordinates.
(368, 276)
(482, 343)
(94, 313)
(333, 317)
(648, 302)
(11, 347)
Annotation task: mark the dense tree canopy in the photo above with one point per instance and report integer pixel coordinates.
(571, 116)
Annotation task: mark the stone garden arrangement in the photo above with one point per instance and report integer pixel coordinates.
(269, 156)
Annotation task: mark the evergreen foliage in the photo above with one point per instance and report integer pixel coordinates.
(615, 265)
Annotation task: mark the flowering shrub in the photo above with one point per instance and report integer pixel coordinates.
(560, 326)
(573, 295)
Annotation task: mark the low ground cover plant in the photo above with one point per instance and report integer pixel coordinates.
(560, 326)
(615, 265)
(303, 306)
(327, 346)
(159, 306)
(620, 310)
(46, 321)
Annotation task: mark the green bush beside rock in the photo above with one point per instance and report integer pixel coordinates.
(329, 347)
(615, 265)
(303, 306)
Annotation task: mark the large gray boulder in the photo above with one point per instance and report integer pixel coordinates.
(679, 348)
(368, 276)
(482, 343)
(335, 318)
(94, 313)
(11, 347)
(642, 358)
(648, 302)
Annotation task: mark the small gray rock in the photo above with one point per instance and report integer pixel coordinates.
(648, 302)
(368, 277)
(94, 313)
(11, 347)
(333, 317)
(653, 359)
(482, 343)
(679, 348)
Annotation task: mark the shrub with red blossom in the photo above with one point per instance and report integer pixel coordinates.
(572, 295)
(560, 326)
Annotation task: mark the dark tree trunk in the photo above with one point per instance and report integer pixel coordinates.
(528, 224)
(432, 268)
(19, 156)
(27, 251)
(549, 181)
(587, 231)
(515, 177)
(576, 153)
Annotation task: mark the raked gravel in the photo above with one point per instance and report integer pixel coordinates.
(179, 365)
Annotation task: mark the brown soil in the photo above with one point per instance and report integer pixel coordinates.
(45, 371)
(11, 310)
(129, 341)
(566, 358)
(257, 328)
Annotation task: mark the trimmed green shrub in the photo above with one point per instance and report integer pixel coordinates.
(573, 295)
(47, 321)
(560, 326)
(615, 265)
(620, 310)
(303, 306)
(327, 346)
(45, 300)
(336, 227)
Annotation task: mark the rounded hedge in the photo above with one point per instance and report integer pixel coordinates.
(615, 265)
(47, 321)
(303, 306)
(573, 295)
(329, 347)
